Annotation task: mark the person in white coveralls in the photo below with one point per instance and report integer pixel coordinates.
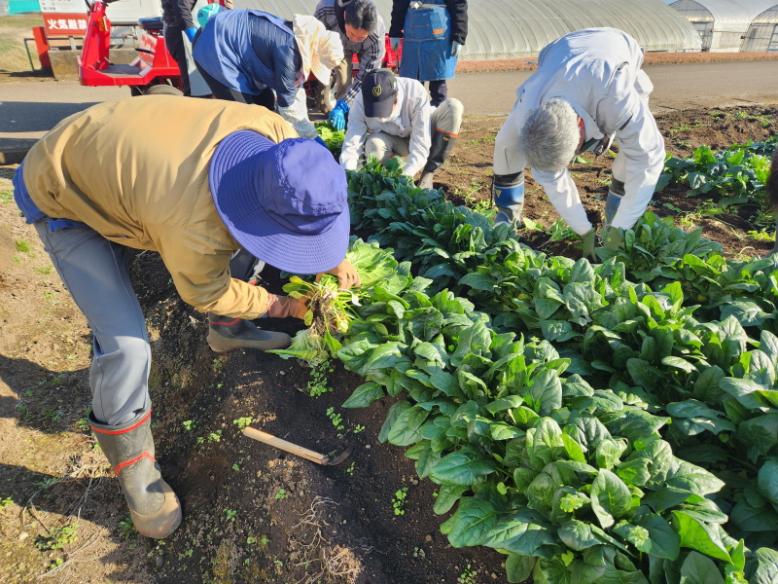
(588, 91)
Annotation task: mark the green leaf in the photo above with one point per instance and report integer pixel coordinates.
(767, 480)
(406, 428)
(500, 431)
(611, 498)
(609, 452)
(763, 569)
(364, 395)
(463, 467)
(448, 495)
(573, 449)
(518, 568)
(504, 403)
(693, 417)
(700, 536)
(679, 363)
(544, 443)
(521, 532)
(697, 569)
(470, 526)
(577, 535)
(395, 411)
(545, 394)
(478, 281)
(663, 541)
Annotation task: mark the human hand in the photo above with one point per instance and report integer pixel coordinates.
(284, 306)
(347, 274)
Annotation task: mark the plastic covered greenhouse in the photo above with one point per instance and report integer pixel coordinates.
(731, 25)
(509, 29)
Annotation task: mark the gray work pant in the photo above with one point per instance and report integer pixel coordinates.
(95, 272)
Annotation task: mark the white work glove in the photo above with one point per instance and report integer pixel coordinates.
(395, 42)
(455, 47)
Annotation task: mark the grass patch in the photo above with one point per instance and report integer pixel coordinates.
(6, 197)
(23, 246)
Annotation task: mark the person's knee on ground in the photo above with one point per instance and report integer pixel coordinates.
(615, 194)
(378, 147)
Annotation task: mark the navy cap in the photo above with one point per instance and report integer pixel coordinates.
(379, 88)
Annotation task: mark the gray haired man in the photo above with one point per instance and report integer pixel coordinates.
(589, 90)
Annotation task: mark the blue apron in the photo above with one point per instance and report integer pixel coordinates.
(427, 43)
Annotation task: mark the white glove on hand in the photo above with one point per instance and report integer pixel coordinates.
(455, 47)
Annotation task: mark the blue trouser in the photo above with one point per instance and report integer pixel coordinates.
(95, 272)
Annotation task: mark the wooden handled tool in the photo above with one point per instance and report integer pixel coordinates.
(330, 459)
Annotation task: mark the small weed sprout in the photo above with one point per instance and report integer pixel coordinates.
(127, 529)
(317, 381)
(398, 501)
(189, 425)
(468, 575)
(23, 246)
(230, 514)
(7, 502)
(351, 468)
(59, 538)
(215, 436)
(281, 494)
(336, 419)
(358, 429)
(243, 422)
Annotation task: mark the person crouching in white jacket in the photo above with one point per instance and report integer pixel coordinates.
(588, 90)
(393, 116)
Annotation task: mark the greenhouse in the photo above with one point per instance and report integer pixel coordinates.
(510, 29)
(732, 25)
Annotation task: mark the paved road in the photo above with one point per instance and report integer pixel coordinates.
(675, 86)
(28, 109)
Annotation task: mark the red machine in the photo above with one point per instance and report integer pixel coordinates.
(153, 71)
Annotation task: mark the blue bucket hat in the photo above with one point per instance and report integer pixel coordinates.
(286, 203)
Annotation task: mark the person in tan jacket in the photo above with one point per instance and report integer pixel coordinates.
(194, 180)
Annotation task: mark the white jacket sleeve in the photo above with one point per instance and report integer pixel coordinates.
(643, 150)
(297, 115)
(563, 194)
(509, 157)
(356, 134)
(420, 140)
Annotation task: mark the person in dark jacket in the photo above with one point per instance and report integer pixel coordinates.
(362, 32)
(434, 32)
(256, 57)
(178, 20)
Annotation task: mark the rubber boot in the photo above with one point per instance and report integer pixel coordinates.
(615, 193)
(154, 507)
(226, 334)
(440, 150)
(508, 195)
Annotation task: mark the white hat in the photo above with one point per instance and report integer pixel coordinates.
(321, 50)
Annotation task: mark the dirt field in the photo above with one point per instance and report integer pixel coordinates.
(251, 515)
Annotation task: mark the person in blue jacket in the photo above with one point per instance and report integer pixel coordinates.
(434, 31)
(256, 57)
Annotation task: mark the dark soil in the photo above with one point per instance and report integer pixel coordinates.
(466, 176)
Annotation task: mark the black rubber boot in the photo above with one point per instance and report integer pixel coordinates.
(440, 150)
(154, 507)
(226, 334)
